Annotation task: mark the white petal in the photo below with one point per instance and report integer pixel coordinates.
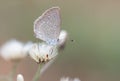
(27, 47)
(20, 77)
(62, 38)
(43, 52)
(69, 79)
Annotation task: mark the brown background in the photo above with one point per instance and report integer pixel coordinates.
(94, 25)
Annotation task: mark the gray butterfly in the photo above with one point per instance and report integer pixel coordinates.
(47, 26)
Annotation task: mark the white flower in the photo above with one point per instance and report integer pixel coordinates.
(20, 77)
(27, 47)
(43, 52)
(62, 39)
(69, 79)
(12, 50)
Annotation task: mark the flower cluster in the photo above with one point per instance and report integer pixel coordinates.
(21, 78)
(14, 50)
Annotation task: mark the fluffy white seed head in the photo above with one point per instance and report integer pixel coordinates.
(77, 79)
(27, 47)
(69, 79)
(12, 50)
(43, 52)
(20, 77)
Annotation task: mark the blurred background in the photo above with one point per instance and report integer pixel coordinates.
(94, 25)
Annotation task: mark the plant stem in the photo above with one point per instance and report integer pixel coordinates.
(37, 75)
(12, 74)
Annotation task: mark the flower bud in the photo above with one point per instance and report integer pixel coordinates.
(69, 79)
(12, 50)
(62, 39)
(20, 77)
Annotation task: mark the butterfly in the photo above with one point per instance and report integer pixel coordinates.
(47, 28)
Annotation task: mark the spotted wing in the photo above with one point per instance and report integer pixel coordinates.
(47, 26)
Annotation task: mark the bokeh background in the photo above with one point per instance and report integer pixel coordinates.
(94, 25)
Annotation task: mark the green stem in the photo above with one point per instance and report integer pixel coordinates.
(12, 74)
(37, 75)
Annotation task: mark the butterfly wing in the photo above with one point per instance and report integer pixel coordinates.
(47, 26)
